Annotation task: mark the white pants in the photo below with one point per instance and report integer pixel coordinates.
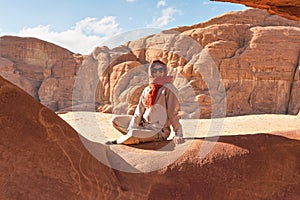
(135, 135)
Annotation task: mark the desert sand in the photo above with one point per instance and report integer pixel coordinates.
(97, 126)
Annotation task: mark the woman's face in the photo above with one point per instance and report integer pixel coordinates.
(157, 71)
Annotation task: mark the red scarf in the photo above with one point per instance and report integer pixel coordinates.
(155, 85)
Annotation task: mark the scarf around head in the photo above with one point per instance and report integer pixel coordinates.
(155, 84)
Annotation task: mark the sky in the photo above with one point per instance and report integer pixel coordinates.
(82, 25)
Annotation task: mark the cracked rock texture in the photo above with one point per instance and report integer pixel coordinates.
(42, 157)
(244, 62)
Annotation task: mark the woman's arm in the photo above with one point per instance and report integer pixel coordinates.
(173, 108)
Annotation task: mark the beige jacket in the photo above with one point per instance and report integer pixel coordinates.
(162, 115)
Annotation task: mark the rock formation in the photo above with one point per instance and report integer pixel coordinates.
(42, 157)
(257, 55)
(244, 62)
(44, 70)
(286, 8)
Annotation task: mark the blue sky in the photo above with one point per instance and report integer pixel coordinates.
(84, 24)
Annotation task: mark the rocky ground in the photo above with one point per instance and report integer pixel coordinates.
(97, 127)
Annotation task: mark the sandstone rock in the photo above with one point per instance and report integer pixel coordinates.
(254, 52)
(6, 65)
(45, 150)
(48, 93)
(9, 72)
(119, 72)
(128, 88)
(286, 8)
(107, 108)
(104, 59)
(242, 72)
(28, 62)
(21, 81)
(39, 146)
(245, 61)
(294, 104)
(253, 17)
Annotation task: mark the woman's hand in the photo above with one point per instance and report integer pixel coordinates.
(178, 140)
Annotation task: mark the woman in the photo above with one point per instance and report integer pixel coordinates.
(156, 111)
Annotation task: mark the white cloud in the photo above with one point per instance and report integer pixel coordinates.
(165, 18)
(130, 0)
(205, 3)
(106, 26)
(161, 3)
(87, 34)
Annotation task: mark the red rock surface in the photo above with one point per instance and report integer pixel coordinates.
(42, 157)
(286, 8)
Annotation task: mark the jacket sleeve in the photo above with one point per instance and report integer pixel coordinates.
(173, 108)
(138, 113)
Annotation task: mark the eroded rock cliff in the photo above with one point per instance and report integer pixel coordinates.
(44, 70)
(247, 61)
(244, 62)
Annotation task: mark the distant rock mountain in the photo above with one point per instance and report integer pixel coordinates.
(244, 62)
(42, 157)
(286, 8)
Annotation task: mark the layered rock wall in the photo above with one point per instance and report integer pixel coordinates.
(42, 69)
(247, 61)
(244, 62)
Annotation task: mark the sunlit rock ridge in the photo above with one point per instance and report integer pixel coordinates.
(254, 54)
